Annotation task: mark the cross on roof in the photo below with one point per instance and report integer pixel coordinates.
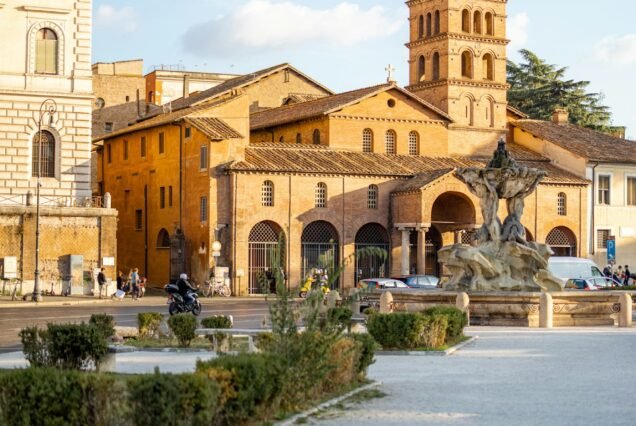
(390, 69)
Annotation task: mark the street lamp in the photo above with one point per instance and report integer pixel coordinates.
(47, 107)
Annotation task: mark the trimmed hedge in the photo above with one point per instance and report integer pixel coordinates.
(367, 349)
(407, 330)
(340, 317)
(104, 323)
(149, 323)
(217, 321)
(183, 326)
(457, 319)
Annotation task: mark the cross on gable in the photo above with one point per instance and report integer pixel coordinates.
(390, 70)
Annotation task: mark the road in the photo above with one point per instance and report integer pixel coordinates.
(246, 313)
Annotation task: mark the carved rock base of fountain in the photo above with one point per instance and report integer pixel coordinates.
(498, 265)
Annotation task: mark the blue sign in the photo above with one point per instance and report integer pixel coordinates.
(611, 251)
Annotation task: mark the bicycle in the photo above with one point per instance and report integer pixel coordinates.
(220, 288)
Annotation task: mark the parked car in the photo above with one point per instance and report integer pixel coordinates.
(381, 284)
(429, 282)
(567, 268)
(592, 283)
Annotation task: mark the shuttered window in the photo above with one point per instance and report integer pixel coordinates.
(46, 52)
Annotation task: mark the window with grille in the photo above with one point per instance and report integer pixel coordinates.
(604, 189)
(143, 146)
(44, 154)
(389, 142)
(138, 219)
(188, 132)
(562, 208)
(631, 191)
(372, 197)
(321, 195)
(367, 140)
(170, 196)
(125, 150)
(203, 157)
(602, 235)
(414, 143)
(162, 197)
(267, 194)
(162, 143)
(46, 52)
(203, 209)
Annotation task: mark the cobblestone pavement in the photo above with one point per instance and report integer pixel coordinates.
(508, 377)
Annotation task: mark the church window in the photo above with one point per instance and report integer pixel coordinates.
(44, 154)
(320, 195)
(467, 64)
(562, 204)
(162, 197)
(421, 68)
(487, 67)
(299, 138)
(389, 142)
(435, 66)
(203, 209)
(414, 142)
(372, 197)
(203, 157)
(477, 22)
(429, 25)
(465, 21)
(367, 140)
(420, 27)
(437, 22)
(46, 52)
(188, 132)
(139, 223)
(490, 24)
(316, 137)
(267, 194)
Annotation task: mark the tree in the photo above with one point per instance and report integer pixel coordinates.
(538, 88)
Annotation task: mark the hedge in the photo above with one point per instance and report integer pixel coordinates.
(149, 323)
(183, 326)
(457, 319)
(407, 330)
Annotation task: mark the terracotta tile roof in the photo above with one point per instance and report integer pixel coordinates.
(587, 143)
(289, 158)
(295, 98)
(120, 115)
(214, 128)
(422, 180)
(326, 105)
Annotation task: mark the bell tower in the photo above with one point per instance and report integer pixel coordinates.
(457, 59)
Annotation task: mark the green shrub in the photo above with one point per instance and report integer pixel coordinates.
(340, 317)
(433, 334)
(344, 356)
(397, 330)
(167, 399)
(457, 319)
(104, 323)
(370, 311)
(252, 388)
(34, 346)
(217, 321)
(149, 323)
(75, 346)
(367, 349)
(51, 397)
(183, 326)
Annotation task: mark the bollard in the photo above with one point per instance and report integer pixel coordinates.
(386, 303)
(462, 303)
(546, 313)
(332, 299)
(107, 200)
(625, 315)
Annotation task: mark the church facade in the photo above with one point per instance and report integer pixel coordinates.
(278, 163)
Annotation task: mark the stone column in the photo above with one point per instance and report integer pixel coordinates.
(625, 315)
(546, 313)
(462, 303)
(421, 251)
(406, 251)
(386, 303)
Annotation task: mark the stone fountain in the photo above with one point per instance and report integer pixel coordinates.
(501, 259)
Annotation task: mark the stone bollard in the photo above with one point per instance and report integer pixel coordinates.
(462, 303)
(29, 198)
(625, 315)
(332, 299)
(107, 200)
(386, 303)
(546, 312)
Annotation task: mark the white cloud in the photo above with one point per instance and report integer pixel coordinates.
(518, 30)
(110, 17)
(269, 24)
(617, 49)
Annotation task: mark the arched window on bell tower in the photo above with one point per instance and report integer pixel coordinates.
(420, 27)
(435, 66)
(465, 21)
(467, 64)
(437, 22)
(421, 68)
(477, 22)
(490, 24)
(429, 25)
(487, 67)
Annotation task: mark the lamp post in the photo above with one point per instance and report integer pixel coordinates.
(47, 107)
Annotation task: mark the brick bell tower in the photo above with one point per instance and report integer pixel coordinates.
(457, 59)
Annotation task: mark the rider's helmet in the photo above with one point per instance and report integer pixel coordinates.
(183, 276)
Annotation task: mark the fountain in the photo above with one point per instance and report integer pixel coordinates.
(501, 258)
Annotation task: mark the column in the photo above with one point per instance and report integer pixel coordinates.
(421, 251)
(406, 251)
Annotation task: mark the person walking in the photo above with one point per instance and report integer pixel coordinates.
(134, 280)
(120, 280)
(101, 282)
(628, 275)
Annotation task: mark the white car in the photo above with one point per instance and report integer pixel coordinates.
(381, 284)
(567, 268)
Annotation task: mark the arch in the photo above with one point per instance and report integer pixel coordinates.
(467, 103)
(390, 141)
(490, 24)
(163, 239)
(436, 30)
(414, 143)
(488, 67)
(320, 248)
(562, 204)
(420, 27)
(267, 194)
(373, 193)
(320, 195)
(316, 137)
(467, 64)
(299, 138)
(452, 209)
(429, 25)
(562, 241)
(34, 31)
(477, 22)
(266, 251)
(435, 66)
(44, 154)
(421, 68)
(465, 21)
(433, 245)
(372, 265)
(46, 52)
(367, 140)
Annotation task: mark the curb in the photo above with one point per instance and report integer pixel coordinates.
(123, 349)
(29, 304)
(324, 405)
(447, 352)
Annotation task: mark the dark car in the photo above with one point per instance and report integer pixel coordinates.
(428, 282)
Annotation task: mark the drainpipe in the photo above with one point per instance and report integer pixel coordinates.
(593, 202)
(181, 189)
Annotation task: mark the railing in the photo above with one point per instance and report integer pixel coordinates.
(51, 201)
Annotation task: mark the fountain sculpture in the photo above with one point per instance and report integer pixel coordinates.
(501, 257)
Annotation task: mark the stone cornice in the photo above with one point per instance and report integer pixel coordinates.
(454, 82)
(416, 2)
(43, 9)
(458, 36)
(295, 173)
(388, 120)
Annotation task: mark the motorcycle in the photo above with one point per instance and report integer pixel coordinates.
(176, 303)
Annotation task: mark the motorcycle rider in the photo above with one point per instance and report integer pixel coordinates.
(185, 290)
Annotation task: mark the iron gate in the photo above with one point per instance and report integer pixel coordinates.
(373, 265)
(320, 249)
(266, 252)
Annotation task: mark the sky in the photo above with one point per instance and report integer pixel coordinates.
(347, 44)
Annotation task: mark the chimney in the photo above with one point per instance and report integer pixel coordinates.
(560, 116)
(138, 105)
(186, 85)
